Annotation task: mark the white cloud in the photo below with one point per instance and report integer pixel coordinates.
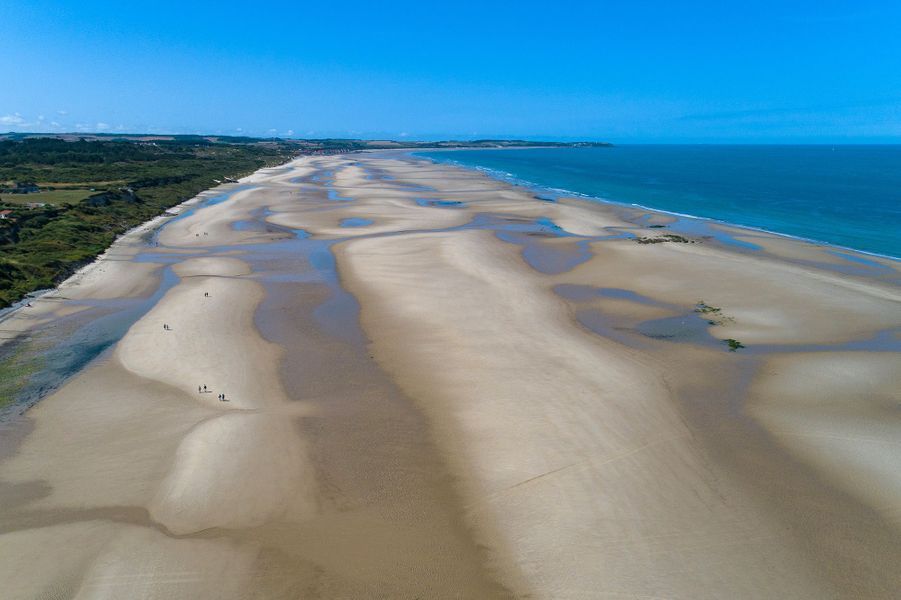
(13, 119)
(102, 126)
(62, 113)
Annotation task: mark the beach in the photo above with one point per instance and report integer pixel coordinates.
(369, 375)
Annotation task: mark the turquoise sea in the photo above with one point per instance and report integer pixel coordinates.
(844, 195)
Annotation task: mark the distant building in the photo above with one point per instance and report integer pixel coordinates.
(4, 214)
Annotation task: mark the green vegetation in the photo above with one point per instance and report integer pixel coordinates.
(16, 366)
(48, 196)
(704, 308)
(714, 314)
(668, 237)
(132, 181)
(733, 344)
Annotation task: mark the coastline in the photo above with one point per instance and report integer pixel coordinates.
(472, 393)
(126, 244)
(512, 179)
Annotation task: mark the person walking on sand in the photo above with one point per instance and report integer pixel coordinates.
(204, 388)
(198, 389)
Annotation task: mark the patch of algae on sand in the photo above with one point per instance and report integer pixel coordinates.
(18, 362)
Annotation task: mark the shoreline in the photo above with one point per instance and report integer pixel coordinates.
(511, 179)
(460, 398)
(128, 238)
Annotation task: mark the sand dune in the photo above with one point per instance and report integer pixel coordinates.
(200, 349)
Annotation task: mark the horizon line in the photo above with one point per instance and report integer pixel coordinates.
(533, 138)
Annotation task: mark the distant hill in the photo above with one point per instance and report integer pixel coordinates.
(343, 144)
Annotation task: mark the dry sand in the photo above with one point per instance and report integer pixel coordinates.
(500, 427)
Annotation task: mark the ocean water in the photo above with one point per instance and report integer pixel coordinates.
(843, 195)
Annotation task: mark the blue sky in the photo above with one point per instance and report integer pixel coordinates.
(652, 71)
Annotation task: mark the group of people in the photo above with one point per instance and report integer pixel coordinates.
(202, 389)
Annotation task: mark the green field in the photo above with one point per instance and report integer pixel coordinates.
(59, 197)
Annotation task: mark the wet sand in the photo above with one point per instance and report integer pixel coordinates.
(438, 385)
